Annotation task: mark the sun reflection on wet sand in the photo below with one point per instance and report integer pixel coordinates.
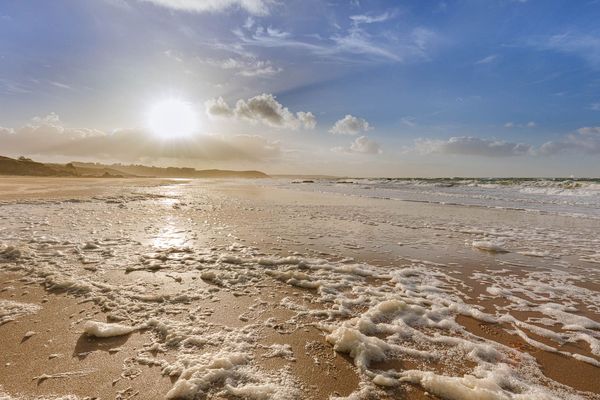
(170, 235)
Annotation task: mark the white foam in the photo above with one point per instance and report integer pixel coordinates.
(393, 313)
(489, 245)
(6, 396)
(226, 372)
(11, 310)
(499, 383)
(280, 350)
(104, 330)
(363, 349)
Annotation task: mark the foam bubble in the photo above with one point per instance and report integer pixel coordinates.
(104, 330)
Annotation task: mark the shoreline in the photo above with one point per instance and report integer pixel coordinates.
(249, 224)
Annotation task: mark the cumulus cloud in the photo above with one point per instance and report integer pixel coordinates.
(254, 7)
(307, 119)
(365, 145)
(350, 125)
(218, 108)
(586, 140)
(468, 145)
(266, 109)
(361, 145)
(263, 108)
(48, 136)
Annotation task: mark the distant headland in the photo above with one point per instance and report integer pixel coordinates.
(27, 167)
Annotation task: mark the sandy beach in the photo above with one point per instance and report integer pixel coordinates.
(299, 200)
(225, 289)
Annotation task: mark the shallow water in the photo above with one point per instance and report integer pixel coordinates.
(573, 197)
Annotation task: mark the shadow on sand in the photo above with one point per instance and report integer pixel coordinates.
(86, 344)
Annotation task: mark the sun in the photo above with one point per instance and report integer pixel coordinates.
(172, 118)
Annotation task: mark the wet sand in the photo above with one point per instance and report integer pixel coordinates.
(275, 222)
(24, 188)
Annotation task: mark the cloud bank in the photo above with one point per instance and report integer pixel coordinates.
(48, 136)
(473, 146)
(585, 140)
(361, 145)
(263, 109)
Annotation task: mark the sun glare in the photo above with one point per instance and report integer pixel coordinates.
(172, 118)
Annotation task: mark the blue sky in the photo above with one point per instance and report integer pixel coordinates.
(486, 87)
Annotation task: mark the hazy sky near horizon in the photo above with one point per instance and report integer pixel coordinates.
(360, 88)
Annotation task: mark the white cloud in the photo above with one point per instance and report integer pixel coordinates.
(423, 38)
(409, 46)
(10, 87)
(357, 41)
(266, 109)
(595, 106)
(350, 125)
(583, 45)
(370, 19)
(530, 124)
(60, 85)
(248, 67)
(173, 55)
(249, 23)
(365, 145)
(263, 108)
(307, 119)
(47, 136)
(51, 119)
(467, 145)
(254, 7)
(6, 131)
(243, 64)
(218, 108)
(361, 145)
(276, 33)
(586, 140)
(409, 121)
(487, 60)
